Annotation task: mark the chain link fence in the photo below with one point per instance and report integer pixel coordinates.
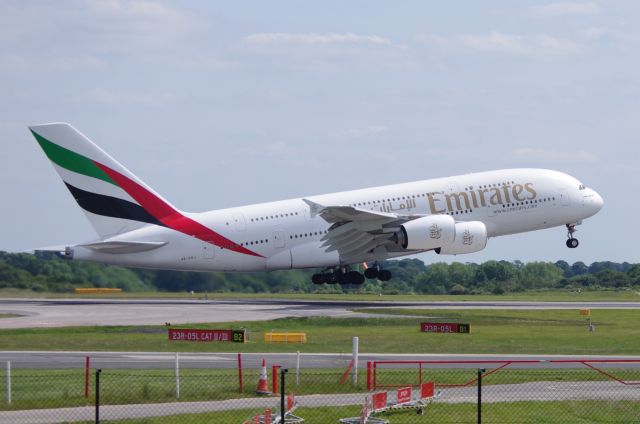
(518, 392)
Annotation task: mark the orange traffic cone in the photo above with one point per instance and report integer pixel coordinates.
(263, 384)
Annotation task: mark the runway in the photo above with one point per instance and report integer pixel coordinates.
(33, 313)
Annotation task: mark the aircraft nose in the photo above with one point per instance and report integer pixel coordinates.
(596, 201)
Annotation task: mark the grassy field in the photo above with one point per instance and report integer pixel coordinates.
(33, 389)
(575, 412)
(492, 331)
(547, 295)
(8, 316)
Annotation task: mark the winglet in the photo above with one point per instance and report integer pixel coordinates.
(314, 208)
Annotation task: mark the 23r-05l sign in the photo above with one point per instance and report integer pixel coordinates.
(444, 327)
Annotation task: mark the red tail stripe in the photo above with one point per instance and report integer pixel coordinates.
(171, 217)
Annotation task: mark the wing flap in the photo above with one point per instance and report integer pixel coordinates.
(356, 233)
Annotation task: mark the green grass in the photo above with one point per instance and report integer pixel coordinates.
(492, 331)
(45, 388)
(544, 295)
(578, 412)
(8, 316)
(505, 331)
(33, 389)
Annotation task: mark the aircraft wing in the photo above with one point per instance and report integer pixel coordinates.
(358, 233)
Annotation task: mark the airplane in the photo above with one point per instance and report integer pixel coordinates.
(334, 232)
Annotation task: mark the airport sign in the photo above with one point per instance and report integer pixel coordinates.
(444, 327)
(203, 335)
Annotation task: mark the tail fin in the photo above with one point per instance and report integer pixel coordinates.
(113, 198)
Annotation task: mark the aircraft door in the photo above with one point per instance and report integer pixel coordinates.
(565, 200)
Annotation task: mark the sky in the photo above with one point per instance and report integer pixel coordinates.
(220, 104)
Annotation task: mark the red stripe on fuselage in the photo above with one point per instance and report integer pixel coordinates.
(171, 217)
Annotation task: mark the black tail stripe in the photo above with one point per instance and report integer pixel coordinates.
(101, 204)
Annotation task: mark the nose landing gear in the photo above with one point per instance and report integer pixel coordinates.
(572, 242)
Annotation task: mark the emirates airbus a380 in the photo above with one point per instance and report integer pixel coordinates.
(335, 232)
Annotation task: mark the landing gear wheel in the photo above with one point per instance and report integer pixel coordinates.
(384, 275)
(344, 278)
(572, 243)
(318, 278)
(356, 277)
(332, 278)
(371, 273)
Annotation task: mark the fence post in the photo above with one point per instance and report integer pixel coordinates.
(274, 378)
(355, 360)
(283, 411)
(240, 372)
(98, 371)
(375, 375)
(87, 365)
(369, 369)
(297, 367)
(480, 371)
(8, 382)
(177, 372)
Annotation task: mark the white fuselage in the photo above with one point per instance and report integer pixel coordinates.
(286, 234)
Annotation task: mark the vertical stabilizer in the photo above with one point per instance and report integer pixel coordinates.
(113, 198)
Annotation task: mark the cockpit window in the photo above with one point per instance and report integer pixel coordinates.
(582, 187)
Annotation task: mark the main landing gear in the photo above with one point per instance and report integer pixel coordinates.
(572, 242)
(341, 276)
(346, 276)
(376, 272)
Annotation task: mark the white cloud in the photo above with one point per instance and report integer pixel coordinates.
(539, 46)
(579, 156)
(568, 8)
(318, 39)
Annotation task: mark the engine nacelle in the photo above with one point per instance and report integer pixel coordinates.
(429, 232)
(470, 237)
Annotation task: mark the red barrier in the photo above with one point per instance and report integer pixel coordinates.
(403, 395)
(369, 382)
(499, 365)
(291, 401)
(346, 373)
(379, 401)
(427, 390)
(275, 370)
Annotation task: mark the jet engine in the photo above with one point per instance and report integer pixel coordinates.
(470, 237)
(426, 233)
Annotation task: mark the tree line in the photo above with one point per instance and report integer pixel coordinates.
(43, 272)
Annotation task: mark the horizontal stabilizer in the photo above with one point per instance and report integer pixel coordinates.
(117, 247)
(56, 249)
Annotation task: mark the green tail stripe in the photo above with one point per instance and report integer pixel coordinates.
(71, 160)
